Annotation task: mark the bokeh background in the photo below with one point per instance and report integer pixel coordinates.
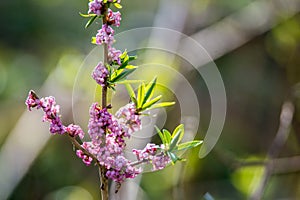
(255, 45)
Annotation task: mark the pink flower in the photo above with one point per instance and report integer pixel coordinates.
(114, 55)
(75, 130)
(95, 7)
(129, 118)
(105, 35)
(100, 74)
(85, 159)
(114, 18)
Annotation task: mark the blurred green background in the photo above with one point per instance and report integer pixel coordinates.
(38, 36)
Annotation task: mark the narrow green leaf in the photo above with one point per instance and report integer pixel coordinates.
(141, 95)
(188, 145)
(179, 128)
(161, 135)
(173, 157)
(130, 90)
(149, 90)
(176, 136)
(150, 103)
(128, 81)
(131, 58)
(121, 76)
(163, 104)
(92, 19)
(123, 55)
(86, 15)
(131, 67)
(93, 41)
(167, 135)
(124, 62)
(117, 5)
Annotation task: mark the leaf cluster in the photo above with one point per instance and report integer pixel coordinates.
(172, 141)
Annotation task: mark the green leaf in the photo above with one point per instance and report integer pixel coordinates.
(173, 157)
(131, 67)
(117, 5)
(130, 90)
(131, 58)
(163, 104)
(128, 81)
(149, 90)
(161, 135)
(179, 128)
(92, 19)
(188, 145)
(123, 55)
(176, 136)
(167, 135)
(86, 15)
(141, 95)
(151, 102)
(93, 41)
(124, 62)
(121, 76)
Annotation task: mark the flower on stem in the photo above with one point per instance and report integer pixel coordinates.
(105, 35)
(151, 154)
(85, 159)
(114, 55)
(113, 18)
(51, 111)
(96, 7)
(75, 130)
(100, 74)
(129, 118)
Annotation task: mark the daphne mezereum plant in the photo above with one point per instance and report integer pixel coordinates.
(108, 133)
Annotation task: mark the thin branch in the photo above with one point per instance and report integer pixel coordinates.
(78, 146)
(286, 117)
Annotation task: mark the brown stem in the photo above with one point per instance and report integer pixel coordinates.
(78, 146)
(286, 117)
(102, 169)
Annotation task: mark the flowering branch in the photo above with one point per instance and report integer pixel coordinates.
(108, 132)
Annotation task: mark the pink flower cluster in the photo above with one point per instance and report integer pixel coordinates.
(114, 55)
(129, 118)
(51, 111)
(100, 74)
(105, 35)
(108, 143)
(51, 115)
(96, 7)
(113, 18)
(151, 154)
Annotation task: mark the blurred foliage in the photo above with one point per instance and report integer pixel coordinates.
(38, 35)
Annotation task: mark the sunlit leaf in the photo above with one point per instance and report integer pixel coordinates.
(123, 55)
(141, 95)
(131, 58)
(121, 76)
(167, 136)
(161, 135)
(163, 104)
(177, 136)
(117, 5)
(128, 81)
(149, 90)
(188, 145)
(131, 67)
(92, 19)
(93, 40)
(151, 102)
(86, 15)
